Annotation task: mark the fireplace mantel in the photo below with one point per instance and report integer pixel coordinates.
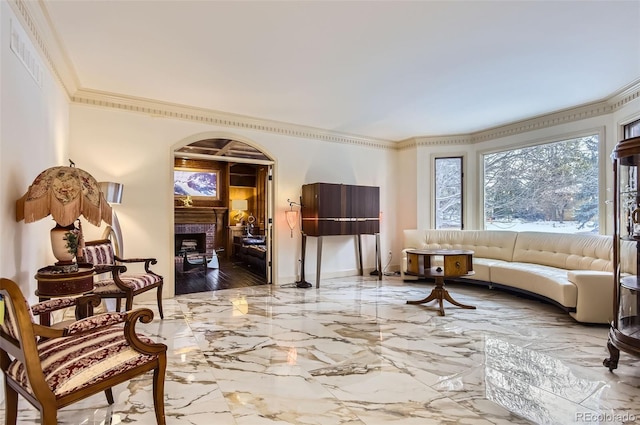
(186, 215)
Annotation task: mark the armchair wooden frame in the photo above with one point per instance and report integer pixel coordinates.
(22, 340)
(116, 267)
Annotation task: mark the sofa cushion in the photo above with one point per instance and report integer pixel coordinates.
(492, 244)
(550, 282)
(482, 268)
(565, 251)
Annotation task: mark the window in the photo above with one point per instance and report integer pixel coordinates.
(550, 187)
(632, 129)
(448, 190)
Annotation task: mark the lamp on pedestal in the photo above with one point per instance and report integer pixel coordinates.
(239, 205)
(292, 218)
(65, 193)
(113, 194)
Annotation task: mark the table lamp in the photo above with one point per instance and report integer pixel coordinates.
(65, 193)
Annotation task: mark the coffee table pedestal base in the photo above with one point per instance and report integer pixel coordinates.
(441, 294)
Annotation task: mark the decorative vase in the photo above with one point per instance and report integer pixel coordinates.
(59, 244)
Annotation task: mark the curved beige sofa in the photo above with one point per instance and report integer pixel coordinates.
(573, 271)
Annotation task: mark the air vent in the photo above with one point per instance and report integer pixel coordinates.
(21, 46)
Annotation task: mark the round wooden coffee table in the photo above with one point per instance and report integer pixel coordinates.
(454, 263)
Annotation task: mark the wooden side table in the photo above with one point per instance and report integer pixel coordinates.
(54, 284)
(455, 263)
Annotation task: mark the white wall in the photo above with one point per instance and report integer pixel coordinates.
(33, 137)
(406, 191)
(136, 150)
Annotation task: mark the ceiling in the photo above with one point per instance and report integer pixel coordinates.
(223, 148)
(382, 69)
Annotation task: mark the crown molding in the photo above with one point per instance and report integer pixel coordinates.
(543, 121)
(207, 116)
(35, 20)
(605, 106)
(628, 94)
(459, 139)
(602, 107)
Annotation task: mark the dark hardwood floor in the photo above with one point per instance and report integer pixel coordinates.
(230, 275)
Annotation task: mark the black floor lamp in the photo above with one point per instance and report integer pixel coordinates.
(292, 219)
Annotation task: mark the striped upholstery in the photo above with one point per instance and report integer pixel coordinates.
(102, 255)
(9, 325)
(99, 255)
(56, 367)
(113, 281)
(76, 362)
(134, 281)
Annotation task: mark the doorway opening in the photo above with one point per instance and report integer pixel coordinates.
(222, 215)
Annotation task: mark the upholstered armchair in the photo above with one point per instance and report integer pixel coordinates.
(55, 367)
(83, 307)
(116, 283)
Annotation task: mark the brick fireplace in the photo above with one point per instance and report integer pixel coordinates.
(208, 230)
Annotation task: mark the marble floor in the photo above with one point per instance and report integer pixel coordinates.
(352, 352)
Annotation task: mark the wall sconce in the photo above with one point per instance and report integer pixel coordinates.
(240, 205)
(113, 194)
(292, 215)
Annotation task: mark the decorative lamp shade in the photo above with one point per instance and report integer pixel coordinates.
(239, 204)
(112, 192)
(292, 218)
(65, 193)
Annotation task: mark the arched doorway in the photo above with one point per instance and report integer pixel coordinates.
(223, 215)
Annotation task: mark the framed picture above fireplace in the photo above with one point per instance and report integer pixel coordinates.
(196, 183)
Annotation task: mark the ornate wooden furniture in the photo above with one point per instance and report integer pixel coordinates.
(118, 284)
(337, 209)
(455, 263)
(624, 333)
(53, 368)
(53, 283)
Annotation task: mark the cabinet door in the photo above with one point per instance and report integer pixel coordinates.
(364, 206)
(322, 209)
(337, 209)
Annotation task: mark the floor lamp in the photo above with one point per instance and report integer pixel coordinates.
(113, 194)
(292, 220)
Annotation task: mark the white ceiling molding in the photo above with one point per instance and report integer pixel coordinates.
(603, 107)
(36, 24)
(626, 95)
(169, 110)
(460, 139)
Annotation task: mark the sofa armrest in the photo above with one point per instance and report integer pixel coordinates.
(595, 295)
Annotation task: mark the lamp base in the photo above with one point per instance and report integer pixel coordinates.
(65, 266)
(303, 284)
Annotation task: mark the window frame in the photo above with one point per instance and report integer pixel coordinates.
(631, 129)
(435, 189)
(603, 157)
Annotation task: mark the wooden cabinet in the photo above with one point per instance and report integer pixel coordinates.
(624, 334)
(337, 209)
(330, 209)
